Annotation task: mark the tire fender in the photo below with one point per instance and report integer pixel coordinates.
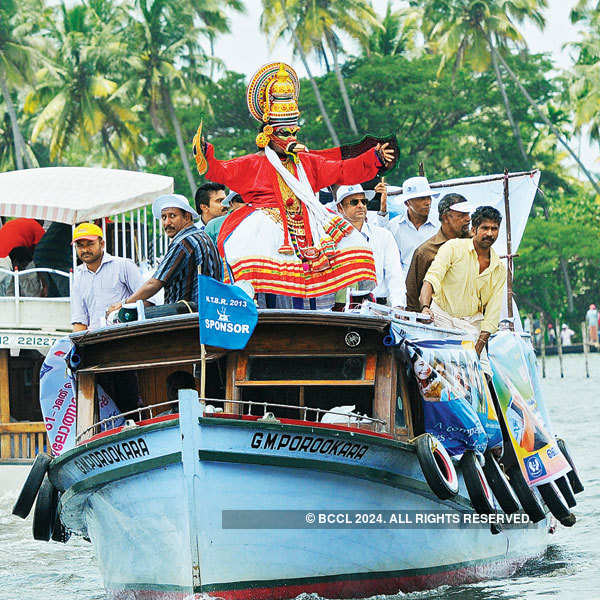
(32, 484)
(503, 492)
(44, 515)
(437, 466)
(479, 490)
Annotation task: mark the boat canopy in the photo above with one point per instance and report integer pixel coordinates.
(75, 194)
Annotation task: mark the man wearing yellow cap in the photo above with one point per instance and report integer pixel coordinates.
(101, 279)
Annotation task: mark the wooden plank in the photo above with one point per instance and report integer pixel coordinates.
(384, 400)
(4, 402)
(241, 370)
(231, 392)
(22, 427)
(40, 442)
(86, 405)
(370, 364)
(307, 382)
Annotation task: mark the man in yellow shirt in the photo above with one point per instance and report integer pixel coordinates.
(464, 284)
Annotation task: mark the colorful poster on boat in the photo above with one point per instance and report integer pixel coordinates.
(519, 395)
(457, 405)
(57, 398)
(227, 314)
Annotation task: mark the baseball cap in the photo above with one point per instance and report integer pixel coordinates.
(417, 187)
(86, 231)
(454, 202)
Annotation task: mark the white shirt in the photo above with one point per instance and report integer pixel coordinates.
(566, 335)
(409, 238)
(390, 275)
(115, 280)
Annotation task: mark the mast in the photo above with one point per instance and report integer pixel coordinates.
(509, 255)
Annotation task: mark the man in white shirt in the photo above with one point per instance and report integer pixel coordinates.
(352, 204)
(419, 223)
(100, 281)
(208, 199)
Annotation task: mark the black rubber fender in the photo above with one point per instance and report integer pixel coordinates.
(501, 488)
(437, 467)
(32, 484)
(562, 483)
(44, 515)
(573, 475)
(479, 490)
(556, 503)
(529, 501)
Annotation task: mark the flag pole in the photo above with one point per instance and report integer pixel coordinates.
(202, 346)
(203, 371)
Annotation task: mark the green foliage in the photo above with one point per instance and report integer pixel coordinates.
(126, 83)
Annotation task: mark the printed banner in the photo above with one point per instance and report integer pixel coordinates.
(457, 404)
(57, 398)
(517, 386)
(227, 314)
(107, 408)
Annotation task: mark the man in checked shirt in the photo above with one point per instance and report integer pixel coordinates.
(189, 249)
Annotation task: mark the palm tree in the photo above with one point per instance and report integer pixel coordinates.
(474, 32)
(8, 159)
(213, 16)
(164, 39)
(16, 59)
(319, 22)
(74, 98)
(277, 21)
(395, 34)
(584, 80)
(322, 20)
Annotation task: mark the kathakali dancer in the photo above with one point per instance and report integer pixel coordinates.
(284, 241)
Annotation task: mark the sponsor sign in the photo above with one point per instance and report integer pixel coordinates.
(57, 398)
(517, 386)
(227, 314)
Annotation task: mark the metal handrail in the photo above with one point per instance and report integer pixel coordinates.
(249, 403)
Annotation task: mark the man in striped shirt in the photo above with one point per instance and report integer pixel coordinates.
(189, 249)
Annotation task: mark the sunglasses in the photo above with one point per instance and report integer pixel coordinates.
(355, 201)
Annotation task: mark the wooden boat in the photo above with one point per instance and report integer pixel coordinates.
(154, 495)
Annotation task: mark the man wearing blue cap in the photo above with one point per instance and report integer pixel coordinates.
(189, 249)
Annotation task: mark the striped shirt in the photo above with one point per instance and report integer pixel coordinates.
(178, 271)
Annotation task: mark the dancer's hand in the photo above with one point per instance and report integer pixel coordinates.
(386, 153)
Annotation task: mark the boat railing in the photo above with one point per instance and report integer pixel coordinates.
(148, 412)
(32, 312)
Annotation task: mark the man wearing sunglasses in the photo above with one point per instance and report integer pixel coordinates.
(351, 203)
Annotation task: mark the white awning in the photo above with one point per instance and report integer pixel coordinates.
(74, 194)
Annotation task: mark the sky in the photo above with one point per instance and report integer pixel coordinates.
(246, 49)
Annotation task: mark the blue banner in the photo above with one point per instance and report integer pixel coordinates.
(227, 314)
(457, 405)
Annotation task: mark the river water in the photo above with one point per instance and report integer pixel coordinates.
(570, 568)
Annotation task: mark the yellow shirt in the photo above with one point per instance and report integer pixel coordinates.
(459, 288)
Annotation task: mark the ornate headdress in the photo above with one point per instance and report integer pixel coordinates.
(272, 98)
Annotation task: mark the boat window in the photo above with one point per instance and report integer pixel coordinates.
(273, 368)
(322, 397)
